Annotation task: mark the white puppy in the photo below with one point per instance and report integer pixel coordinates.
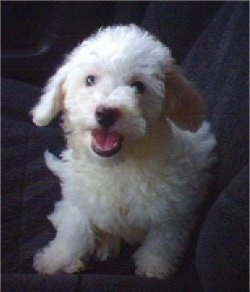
(138, 151)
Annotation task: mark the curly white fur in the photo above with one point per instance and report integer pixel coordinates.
(150, 190)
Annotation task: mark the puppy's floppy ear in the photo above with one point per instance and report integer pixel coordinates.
(185, 106)
(50, 102)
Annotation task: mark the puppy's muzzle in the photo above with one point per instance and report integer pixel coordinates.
(106, 116)
(105, 141)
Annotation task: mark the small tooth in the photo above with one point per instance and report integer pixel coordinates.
(115, 144)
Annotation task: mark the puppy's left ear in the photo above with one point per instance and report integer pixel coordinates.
(185, 106)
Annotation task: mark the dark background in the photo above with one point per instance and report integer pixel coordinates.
(36, 35)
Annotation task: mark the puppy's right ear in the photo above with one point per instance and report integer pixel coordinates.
(50, 102)
(185, 106)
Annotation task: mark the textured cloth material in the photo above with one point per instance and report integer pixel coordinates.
(219, 65)
(179, 24)
(222, 252)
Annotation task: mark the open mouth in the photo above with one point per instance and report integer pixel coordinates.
(106, 143)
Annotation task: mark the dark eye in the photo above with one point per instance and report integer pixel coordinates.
(139, 87)
(90, 80)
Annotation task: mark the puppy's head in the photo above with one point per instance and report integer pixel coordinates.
(115, 86)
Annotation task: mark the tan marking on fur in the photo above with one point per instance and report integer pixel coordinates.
(185, 106)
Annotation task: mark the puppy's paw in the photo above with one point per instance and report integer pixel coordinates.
(53, 163)
(40, 117)
(76, 265)
(51, 160)
(50, 261)
(152, 266)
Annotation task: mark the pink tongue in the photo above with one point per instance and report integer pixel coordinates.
(106, 140)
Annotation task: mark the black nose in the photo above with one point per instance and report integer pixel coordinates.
(106, 117)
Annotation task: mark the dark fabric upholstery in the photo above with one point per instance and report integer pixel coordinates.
(24, 177)
(222, 252)
(218, 64)
(179, 24)
(40, 283)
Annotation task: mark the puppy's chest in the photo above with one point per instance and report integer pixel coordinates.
(120, 199)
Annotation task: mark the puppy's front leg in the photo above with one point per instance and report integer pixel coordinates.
(160, 252)
(74, 239)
